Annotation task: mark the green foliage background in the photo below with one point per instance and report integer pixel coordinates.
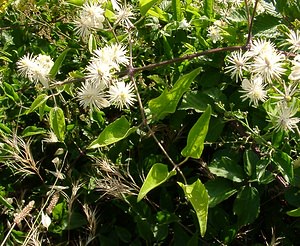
(184, 167)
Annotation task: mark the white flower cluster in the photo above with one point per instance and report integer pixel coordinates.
(101, 89)
(228, 11)
(90, 18)
(36, 68)
(228, 7)
(295, 74)
(265, 72)
(214, 32)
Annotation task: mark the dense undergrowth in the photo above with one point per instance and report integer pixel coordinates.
(149, 122)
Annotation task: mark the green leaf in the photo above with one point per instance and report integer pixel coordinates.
(291, 10)
(196, 136)
(219, 189)
(145, 5)
(198, 100)
(123, 234)
(110, 16)
(195, 100)
(10, 92)
(180, 235)
(294, 212)
(167, 102)
(76, 220)
(76, 2)
(42, 109)
(5, 203)
(215, 129)
(39, 101)
(198, 197)
(176, 5)
(292, 196)
(263, 175)
(278, 139)
(57, 122)
(33, 130)
(167, 48)
(159, 13)
(145, 230)
(165, 217)
(226, 168)
(57, 64)
(266, 24)
(92, 43)
(250, 161)
(5, 128)
(17, 237)
(161, 232)
(5, 56)
(113, 133)
(194, 241)
(284, 164)
(60, 213)
(203, 42)
(209, 8)
(157, 175)
(246, 205)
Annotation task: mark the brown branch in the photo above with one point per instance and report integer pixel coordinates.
(250, 27)
(66, 81)
(248, 14)
(180, 59)
(131, 71)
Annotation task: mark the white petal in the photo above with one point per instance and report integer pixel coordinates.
(46, 220)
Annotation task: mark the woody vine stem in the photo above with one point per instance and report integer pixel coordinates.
(132, 71)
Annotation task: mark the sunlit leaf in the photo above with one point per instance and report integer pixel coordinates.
(167, 102)
(209, 8)
(176, 5)
(4, 128)
(294, 212)
(38, 102)
(198, 197)
(5, 56)
(57, 64)
(10, 92)
(4, 202)
(114, 132)
(33, 130)
(157, 175)
(57, 122)
(196, 136)
(76, 2)
(92, 43)
(159, 13)
(145, 5)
